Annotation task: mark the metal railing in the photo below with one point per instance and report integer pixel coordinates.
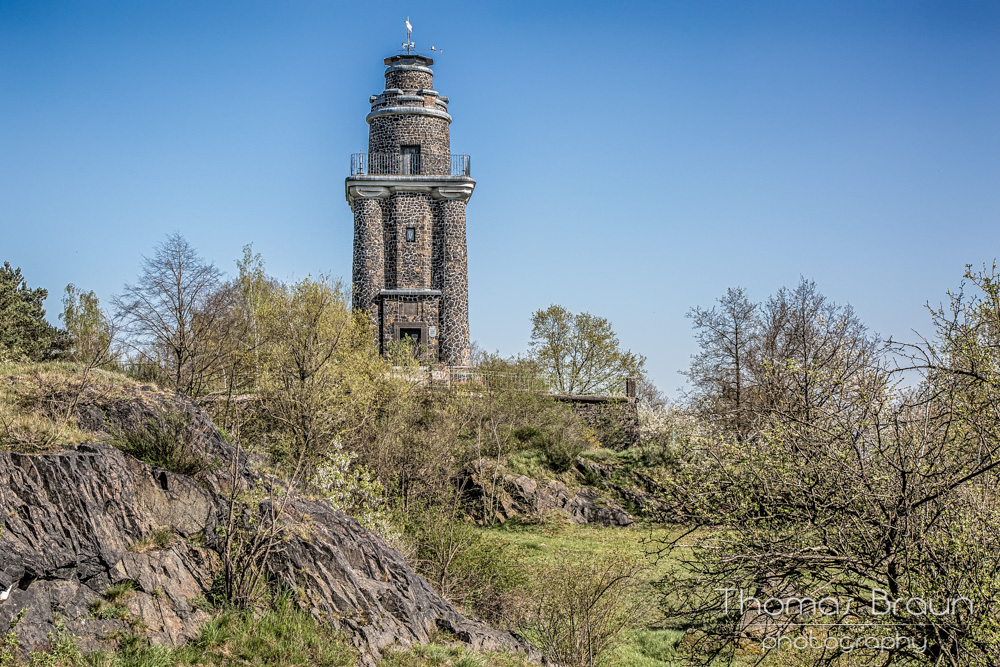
(478, 379)
(470, 377)
(410, 164)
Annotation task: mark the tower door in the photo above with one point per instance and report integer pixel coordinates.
(410, 160)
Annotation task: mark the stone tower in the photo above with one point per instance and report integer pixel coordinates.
(408, 194)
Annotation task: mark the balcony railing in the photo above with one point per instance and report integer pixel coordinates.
(410, 164)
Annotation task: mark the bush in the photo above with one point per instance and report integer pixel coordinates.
(350, 488)
(558, 433)
(465, 567)
(580, 616)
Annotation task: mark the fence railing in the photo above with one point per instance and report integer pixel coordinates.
(410, 164)
(471, 377)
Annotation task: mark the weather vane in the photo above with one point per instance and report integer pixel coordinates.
(408, 44)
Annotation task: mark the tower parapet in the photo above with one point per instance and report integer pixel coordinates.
(408, 195)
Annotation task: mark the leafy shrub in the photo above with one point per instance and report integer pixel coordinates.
(580, 616)
(468, 569)
(350, 488)
(558, 433)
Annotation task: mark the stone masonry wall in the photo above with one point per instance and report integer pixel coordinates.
(437, 247)
(614, 419)
(455, 346)
(387, 133)
(369, 256)
(413, 258)
(412, 310)
(408, 79)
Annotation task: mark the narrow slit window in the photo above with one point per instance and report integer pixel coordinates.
(411, 234)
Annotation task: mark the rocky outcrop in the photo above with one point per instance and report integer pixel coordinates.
(640, 494)
(522, 496)
(77, 522)
(74, 524)
(589, 506)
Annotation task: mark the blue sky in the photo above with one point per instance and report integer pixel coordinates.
(633, 159)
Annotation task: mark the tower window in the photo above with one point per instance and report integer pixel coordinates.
(412, 334)
(411, 234)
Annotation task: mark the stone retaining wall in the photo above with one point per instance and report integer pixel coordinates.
(615, 419)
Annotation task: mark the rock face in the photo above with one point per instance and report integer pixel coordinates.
(73, 526)
(522, 496)
(643, 495)
(76, 522)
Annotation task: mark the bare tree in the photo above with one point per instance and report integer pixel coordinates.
(812, 353)
(721, 372)
(585, 608)
(796, 352)
(172, 311)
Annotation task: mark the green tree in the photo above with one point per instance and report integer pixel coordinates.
(852, 488)
(581, 352)
(254, 289)
(315, 369)
(87, 325)
(23, 329)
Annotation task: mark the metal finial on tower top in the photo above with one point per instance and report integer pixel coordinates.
(408, 44)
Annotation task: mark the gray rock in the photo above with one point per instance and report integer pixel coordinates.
(589, 506)
(73, 524)
(522, 496)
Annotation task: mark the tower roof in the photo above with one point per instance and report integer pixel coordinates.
(409, 59)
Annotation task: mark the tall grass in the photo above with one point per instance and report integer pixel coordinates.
(283, 635)
(163, 444)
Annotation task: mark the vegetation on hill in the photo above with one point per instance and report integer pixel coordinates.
(822, 477)
(800, 467)
(23, 329)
